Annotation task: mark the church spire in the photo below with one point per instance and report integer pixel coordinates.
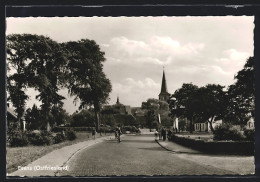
(164, 85)
(117, 100)
(164, 95)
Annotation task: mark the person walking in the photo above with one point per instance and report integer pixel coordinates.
(94, 133)
(169, 134)
(119, 132)
(115, 133)
(156, 135)
(164, 134)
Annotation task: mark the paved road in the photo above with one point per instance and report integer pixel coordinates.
(135, 155)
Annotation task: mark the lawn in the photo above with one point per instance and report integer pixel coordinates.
(22, 156)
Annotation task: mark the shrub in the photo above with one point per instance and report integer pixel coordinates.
(40, 138)
(60, 129)
(228, 132)
(58, 138)
(57, 129)
(18, 139)
(70, 134)
(106, 129)
(249, 134)
(130, 128)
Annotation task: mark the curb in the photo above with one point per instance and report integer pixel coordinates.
(164, 147)
(79, 150)
(99, 140)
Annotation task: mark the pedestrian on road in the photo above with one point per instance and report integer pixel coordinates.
(94, 133)
(164, 134)
(156, 135)
(118, 133)
(169, 134)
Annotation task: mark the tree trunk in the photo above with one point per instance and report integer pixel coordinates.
(191, 125)
(48, 127)
(20, 121)
(210, 124)
(97, 120)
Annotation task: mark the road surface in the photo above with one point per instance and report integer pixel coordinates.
(135, 155)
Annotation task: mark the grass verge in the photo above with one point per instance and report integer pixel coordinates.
(22, 156)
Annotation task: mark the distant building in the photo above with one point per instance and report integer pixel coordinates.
(123, 109)
(164, 94)
(123, 113)
(12, 118)
(205, 127)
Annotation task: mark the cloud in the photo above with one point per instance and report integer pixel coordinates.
(158, 50)
(130, 84)
(235, 55)
(139, 89)
(233, 61)
(113, 60)
(105, 45)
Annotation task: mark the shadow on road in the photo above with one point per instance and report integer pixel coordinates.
(152, 148)
(130, 141)
(183, 152)
(138, 141)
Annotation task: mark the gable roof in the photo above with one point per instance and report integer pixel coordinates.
(11, 112)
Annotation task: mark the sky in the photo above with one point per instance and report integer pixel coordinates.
(198, 50)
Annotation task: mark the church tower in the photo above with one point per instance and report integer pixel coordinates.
(117, 100)
(164, 95)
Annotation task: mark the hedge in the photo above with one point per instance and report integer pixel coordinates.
(60, 129)
(85, 129)
(217, 147)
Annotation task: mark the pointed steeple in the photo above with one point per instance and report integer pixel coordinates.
(164, 85)
(117, 100)
(164, 95)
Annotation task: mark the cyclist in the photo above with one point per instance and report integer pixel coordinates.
(118, 133)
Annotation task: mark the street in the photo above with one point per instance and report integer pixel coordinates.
(135, 155)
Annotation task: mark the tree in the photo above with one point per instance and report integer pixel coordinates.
(241, 95)
(60, 116)
(163, 105)
(108, 119)
(45, 71)
(151, 119)
(17, 54)
(151, 104)
(33, 118)
(83, 118)
(107, 115)
(110, 110)
(211, 103)
(184, 102)
(152, 107)
(85, 76)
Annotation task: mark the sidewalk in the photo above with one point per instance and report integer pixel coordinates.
(243, 165)
(52, 162)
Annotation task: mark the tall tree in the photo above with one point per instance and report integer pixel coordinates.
(45, 71)
(86, 79)
(33, 118)
(211, 103)
(17, 47)
(184, 102)
(241, 95)
(151, 104)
